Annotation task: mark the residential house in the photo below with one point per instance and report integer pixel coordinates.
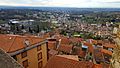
(65, 49)
(29, 51)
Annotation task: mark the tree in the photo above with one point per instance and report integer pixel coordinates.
(30, 30)
(17, 28)
(22, 27)
(38, 29)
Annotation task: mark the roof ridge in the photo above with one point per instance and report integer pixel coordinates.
(12, 43)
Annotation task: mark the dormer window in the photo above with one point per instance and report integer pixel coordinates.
(27, 42)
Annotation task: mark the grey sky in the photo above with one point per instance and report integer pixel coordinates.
(63, 3)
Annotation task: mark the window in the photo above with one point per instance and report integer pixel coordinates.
(25, 63)
(84, 49)
(39, 55)
(15, 57)
(40, 64)
(24, 54)
(39, 48)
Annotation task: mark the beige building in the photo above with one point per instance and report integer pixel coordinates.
(29, 51)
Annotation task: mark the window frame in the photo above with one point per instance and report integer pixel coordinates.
(40, 64)
(39, 54)
(25, 63)
(39, 48)
(24, 54)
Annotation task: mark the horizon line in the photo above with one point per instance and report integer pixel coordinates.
(56, 6)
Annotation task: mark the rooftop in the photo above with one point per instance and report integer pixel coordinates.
(12, 43)
(73, 57)
(61, 62)
(106, 52)
(7, 62)
(66, 48)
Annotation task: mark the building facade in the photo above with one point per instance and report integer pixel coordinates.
(30, 52)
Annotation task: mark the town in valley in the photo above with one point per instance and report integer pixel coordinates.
(58, 37)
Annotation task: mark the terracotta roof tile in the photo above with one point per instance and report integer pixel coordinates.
(78, 51)
(51, 44)
(106, 51)
(97, 66)
(108, 45)
(101, 65)
(65, 40)
(61, 62)
(94, 41)
(11, 43)
(98, 55)
(90, 47)
(104, 65)
(65, 48)
(76, 40)
(53, 52)
(73, 57)
(100, 42)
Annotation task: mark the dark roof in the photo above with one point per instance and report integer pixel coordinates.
(7, 61)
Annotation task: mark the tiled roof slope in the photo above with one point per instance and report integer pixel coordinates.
(108, 45)
(73, 57)
(52, 53)
(7, 62)
(11, 43)
(65, 40)
(51, 44)
(65, 48)
(78, 51)
(61, 62)
(106, 52)
(90, 47)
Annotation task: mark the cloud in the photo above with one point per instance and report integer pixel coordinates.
(106, 1)
(62, 3)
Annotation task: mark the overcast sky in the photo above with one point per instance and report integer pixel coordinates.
(64, 3)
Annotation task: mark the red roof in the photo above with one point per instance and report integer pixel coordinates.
(108, 45)
(65, 48)
(100, 42)
(78, 51)
(76, 40)
(90, 47)
(51, 44)
(98, 55)
(52, 53)
(106, 51)
(65, 40)
(57, 37)
(46, 35)
(94, 41)
(101, 65)
(61, 62)
(97, 66)
(11, 43)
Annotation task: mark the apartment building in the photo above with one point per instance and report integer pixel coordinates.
(29, 51)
